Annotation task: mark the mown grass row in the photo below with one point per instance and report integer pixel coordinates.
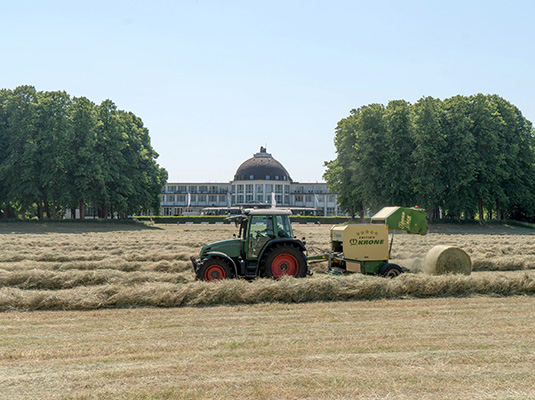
(233, 292)
(116, 271)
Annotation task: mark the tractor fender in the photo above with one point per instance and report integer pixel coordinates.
(275, 242)
(216, 254)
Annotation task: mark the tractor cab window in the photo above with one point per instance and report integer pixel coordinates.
(260, 232)
(284, 228)
(261, 226)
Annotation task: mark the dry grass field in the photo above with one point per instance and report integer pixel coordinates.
(448, 348)
(91, 266)
(126, 328)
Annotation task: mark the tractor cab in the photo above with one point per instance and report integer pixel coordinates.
(264, 227)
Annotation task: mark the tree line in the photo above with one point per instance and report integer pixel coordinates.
(461, 158)
(59, 152)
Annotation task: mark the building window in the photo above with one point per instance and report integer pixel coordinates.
(259, 188)
(278, 188)
(286, 199)
(260, 198)
(249, 188)
(203, 189)
(267, 177)
(269, 188)
(276, 177)
(182, 189)
(249, 198)
(240, 199)
(181, 199)
(251, 177)
(278, 198)
(171, 198)
(222, 199)
(284, 177)
(240, 188)
(192, 189)
(298, 198)
(202, 198)
(286, 189)
(212, 198)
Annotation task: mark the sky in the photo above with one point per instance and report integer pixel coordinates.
(215, 80)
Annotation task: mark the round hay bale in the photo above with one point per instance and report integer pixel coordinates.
(445, 260)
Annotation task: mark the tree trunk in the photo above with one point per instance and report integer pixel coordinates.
(54, 209)
(81, 207)
(480, 206)
(39, 210)
(47, 209)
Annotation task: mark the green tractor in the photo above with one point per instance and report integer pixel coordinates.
(265, 247)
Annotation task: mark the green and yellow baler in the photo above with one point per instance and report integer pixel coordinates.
(366, 248)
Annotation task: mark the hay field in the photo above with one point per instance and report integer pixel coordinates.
(448, 348)
(91, 266)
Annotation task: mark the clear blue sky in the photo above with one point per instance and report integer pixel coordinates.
(215, 80)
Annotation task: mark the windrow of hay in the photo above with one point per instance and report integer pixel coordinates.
(447, 259)
(53, 280)
(327, 288)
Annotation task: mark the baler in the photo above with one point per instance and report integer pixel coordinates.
(366, 248)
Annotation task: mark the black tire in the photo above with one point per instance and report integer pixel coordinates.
(285, 260)
(390, 270)
(214, 269)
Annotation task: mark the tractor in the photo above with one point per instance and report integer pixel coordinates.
(265, 247)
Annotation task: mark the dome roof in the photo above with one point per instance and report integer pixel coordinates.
(262, 167)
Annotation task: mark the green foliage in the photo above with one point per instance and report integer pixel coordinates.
(465, 156)
(60, 152)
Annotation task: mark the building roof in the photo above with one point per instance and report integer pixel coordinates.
(262, 167)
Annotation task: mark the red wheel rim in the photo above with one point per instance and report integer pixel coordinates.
(284, 264)
(214, 273)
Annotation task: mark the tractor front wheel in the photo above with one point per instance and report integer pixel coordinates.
(285, 261)
(390, 270)
(214, 269)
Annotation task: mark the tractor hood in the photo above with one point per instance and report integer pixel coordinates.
(232, 248)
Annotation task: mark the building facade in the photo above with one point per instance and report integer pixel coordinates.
(260, 181)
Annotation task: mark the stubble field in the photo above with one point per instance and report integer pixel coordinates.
(126, 327)
(85, 266)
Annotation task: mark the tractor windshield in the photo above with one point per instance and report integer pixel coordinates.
(284, 229)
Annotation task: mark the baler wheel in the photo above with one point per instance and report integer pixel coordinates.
(390, 270)
(214, 269)
(285, 260)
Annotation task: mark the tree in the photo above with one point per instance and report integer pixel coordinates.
(59, 153)
(341, 173)
(429, 154)
(398, 166)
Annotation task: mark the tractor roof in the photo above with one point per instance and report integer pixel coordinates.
(266, 211)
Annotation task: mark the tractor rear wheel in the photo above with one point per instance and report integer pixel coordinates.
(285, 260)
(214, 269)
(390, 270)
